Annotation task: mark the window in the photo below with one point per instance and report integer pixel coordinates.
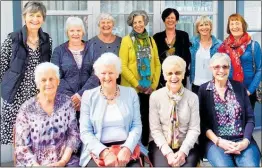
(252, 15)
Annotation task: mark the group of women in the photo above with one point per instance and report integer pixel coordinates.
(131, 93)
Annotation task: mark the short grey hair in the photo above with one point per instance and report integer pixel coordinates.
(132, 15)
(105, 16)
(34, 7)
(74, 21)
(220, 57)
(43, 67)
(203, 19)
(107, 59)
(172, 61)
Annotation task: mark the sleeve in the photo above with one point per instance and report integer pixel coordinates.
(157, 66)
(249, 116)
(257, 77)
(73, 139)
(87, 134)
(93, 80)
(63, 85)
(194, 126)
(155, 125)
(23, 142)
(6, 54)
(187, 54)
(136, 126)
(204, 124)
(124, 56)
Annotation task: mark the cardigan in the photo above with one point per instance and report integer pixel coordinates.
(72, 79)
(208, 114)
(130, 75)
(181, 45)
(160, 108)
(93, 106)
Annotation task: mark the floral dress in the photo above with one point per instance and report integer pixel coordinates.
(26, 90)
(42, 139)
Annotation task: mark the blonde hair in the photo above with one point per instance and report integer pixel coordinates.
(74, 21)
(174, 60)
(203, 19)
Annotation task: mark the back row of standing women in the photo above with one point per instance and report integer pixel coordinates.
(140, 54)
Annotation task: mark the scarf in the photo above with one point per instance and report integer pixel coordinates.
(173, 133)
(143, 54)
(235, 50)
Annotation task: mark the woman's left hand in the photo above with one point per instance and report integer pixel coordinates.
(149, 90)
(60, 163)
(241, 145)
(123, 156)
(76, 101)
(180, 158)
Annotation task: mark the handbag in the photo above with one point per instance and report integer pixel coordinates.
(116, 149)
(259, 88)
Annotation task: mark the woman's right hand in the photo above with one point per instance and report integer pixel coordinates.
(141, 89)
(227, 145)
(110, 160)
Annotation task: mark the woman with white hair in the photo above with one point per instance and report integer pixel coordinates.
(75, 62)
(227, 119)
(204, 46)
(174, 119)
(140, 64)
(46, 132)
(110, 124)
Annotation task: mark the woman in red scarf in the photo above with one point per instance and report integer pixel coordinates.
(238, 45)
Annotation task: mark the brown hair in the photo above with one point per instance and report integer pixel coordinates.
(237, 17)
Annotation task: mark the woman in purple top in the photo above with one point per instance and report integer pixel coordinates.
(227, 119)
(46, 132)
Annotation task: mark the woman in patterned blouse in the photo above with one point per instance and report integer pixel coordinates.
(227, 119)
(46, 132)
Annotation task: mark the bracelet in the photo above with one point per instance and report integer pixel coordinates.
(217, 142)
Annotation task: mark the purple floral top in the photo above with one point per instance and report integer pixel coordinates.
(41, 138)
(228, 112)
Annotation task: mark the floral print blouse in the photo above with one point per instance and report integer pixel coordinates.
(228, 112)
(42, 138)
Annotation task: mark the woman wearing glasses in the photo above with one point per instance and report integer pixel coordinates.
(227, 119)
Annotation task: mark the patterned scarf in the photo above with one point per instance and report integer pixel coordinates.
(172, 49)
(235, 50)
(173, 133)
(143, 54)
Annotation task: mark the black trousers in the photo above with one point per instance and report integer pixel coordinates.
(253, 99)
(144, 111)
(132, 163)
(195, 88)
(159, 160)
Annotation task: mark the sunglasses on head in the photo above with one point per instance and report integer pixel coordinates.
(224, 67)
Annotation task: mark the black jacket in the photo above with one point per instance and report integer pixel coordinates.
(19, 60)
(182, 45)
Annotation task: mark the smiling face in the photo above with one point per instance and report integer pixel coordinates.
(174, 76)
(106, 26)
(33, 21)
(236, 28)
(170, 21)
(220, 70)
(75, 33)
(139, 24)
(107, 76)
(48, 83)
(204, 29)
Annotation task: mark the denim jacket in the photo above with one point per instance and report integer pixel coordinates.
(193, 50)
(251, 77)
(93, 107)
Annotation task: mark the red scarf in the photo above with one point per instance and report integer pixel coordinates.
(235, 49)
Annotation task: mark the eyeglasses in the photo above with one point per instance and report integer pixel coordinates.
(172, 73)
(218, 67)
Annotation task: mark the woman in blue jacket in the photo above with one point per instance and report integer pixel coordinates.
(75, 63)
(238, 45)
(204, 46)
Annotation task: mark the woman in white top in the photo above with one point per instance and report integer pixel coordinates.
(204, 46)
(110, 115)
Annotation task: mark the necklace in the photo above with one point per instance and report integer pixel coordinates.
(102, 92)
(33, 43)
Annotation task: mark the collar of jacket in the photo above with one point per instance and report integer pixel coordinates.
(42, 37)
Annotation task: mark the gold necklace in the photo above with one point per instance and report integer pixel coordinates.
(33, 43)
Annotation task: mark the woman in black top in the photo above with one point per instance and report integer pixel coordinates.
(172, 42)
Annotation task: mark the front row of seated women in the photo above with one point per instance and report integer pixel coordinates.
(216, 124)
